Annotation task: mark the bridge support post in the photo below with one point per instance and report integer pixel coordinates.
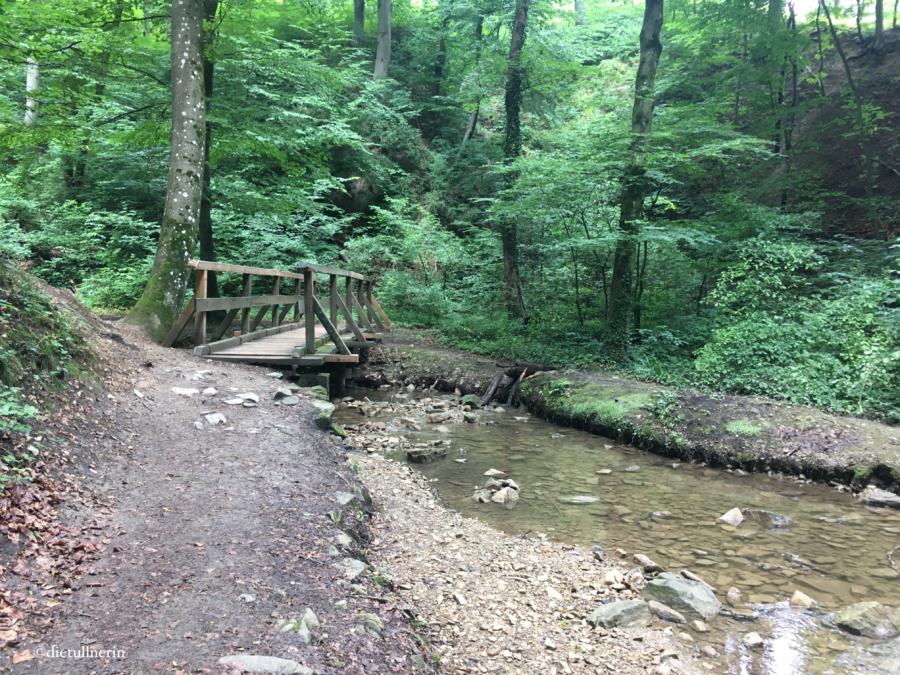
(309, 300)
(200, 318)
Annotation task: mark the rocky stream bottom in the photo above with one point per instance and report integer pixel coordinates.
(747, 573)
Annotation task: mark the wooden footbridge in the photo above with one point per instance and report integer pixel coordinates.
(295, 320)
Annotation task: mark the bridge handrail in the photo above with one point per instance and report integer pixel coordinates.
(302, 301)
(210, 266)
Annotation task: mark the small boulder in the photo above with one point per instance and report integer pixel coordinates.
(802, 600)
(494, 473)
(290, 400)
(734, 597)
(665, 613)
(187, 392)
(506, 496)
(733, 517)
(753, 641)
(578, 499)
(692, 598)
(620, 613)
(282, 392)
(471, 400)
(255, 663)
(632, 469)
(324, 413)
(425, 455)
(872, 496)
(869, 619)
(648, 565)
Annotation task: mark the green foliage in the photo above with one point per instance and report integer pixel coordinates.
(751, 275)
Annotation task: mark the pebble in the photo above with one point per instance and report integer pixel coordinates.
(753, 640)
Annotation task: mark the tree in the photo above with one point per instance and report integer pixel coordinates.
(32, 82)
(383, 50)
(621, 299)
(359, 22)
(579, 12)
(164, 292)
(512, 148)
(878, 44)
(207, 245)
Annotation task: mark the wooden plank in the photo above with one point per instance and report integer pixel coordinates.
(223, 326)
(238, 340)
(351, 324)
(309, 299)
(200, 317)
(384, 317)
(241, 269)
(276, 291)
(332, 331)
(363, 320)
(258, 318)
(179, 325)
(319, 269)
(242, 302)
(245, 313)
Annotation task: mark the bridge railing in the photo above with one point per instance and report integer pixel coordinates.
(293, 302)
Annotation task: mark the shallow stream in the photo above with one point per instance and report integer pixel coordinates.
(833, 549)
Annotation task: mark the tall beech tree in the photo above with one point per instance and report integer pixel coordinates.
(512, 148)
(383, 49)
(161, 301)
(634, 183)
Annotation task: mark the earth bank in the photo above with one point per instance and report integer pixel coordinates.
(739, 431)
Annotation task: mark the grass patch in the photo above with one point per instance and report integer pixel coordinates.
(743, 428)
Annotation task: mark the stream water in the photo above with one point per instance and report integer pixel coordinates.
(833, 549)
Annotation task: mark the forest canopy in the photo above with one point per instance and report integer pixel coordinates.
(700, 193)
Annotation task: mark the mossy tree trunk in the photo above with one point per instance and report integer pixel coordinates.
(163, 295)
(512, 148)
(622, 293)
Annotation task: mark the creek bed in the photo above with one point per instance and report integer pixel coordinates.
(829, 547)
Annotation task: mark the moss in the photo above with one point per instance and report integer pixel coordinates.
(743, 428)
(745, 458)
(861, 474)
(338, 430)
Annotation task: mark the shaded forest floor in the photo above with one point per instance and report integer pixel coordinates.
(740, 431)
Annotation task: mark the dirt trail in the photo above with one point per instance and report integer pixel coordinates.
(217, 532)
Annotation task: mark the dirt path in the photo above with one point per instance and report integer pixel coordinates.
(218, 532)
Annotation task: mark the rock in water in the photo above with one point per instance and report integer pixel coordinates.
(875, 497)
(753, 640)
(506, 496)
(647, 563)
(425, 455)
(471, 400)
(769, 518)
(733, 517)
(733, 597)
(620, 613)
(683, 595)
(869, 619)
(665, 613)
(578, 499)
(254, 663)
(492, 473)
(801, 599)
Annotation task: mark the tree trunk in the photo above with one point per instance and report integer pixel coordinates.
(512, 148)
(878, 44)
(440, 59)
(579, 12)
(621, 299)
(32, 82)
(359, 22)
(383, 51)
(473, 118)
(207, 246)
(161, 301)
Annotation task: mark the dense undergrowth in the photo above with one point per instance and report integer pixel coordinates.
(39, 352)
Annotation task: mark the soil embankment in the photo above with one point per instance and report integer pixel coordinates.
(739, 431)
